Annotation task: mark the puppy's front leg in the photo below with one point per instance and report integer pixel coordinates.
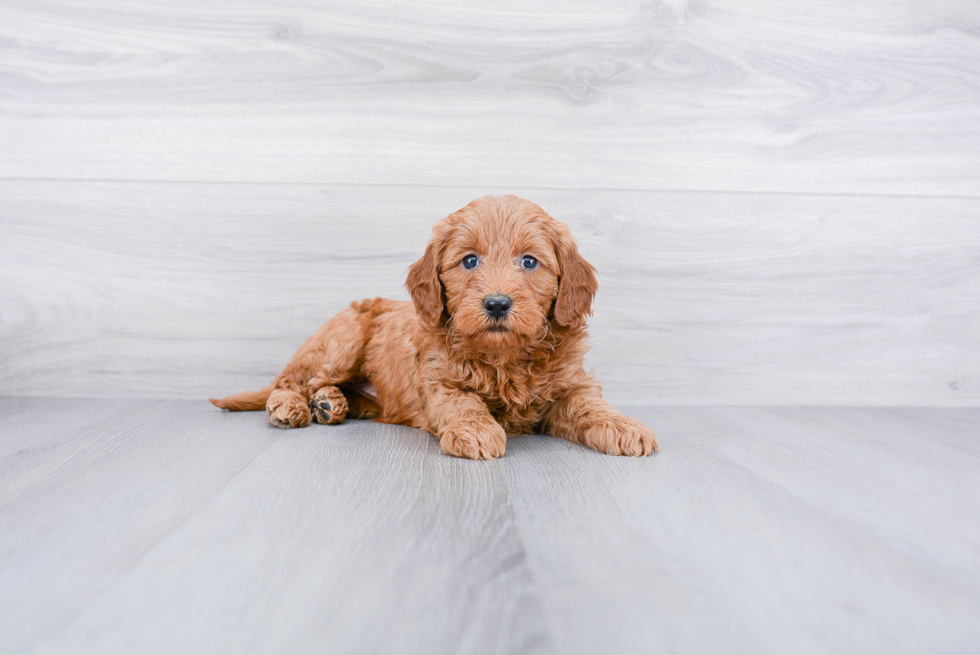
(463, 423)
(584, 417)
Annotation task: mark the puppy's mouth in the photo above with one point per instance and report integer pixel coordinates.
(497, 328)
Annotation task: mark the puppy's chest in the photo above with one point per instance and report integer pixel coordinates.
(517, 398)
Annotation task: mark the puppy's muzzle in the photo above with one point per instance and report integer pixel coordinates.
(497, 306)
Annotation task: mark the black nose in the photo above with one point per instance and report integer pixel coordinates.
(497, 306)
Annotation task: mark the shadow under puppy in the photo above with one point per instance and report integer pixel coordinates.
(492, 345)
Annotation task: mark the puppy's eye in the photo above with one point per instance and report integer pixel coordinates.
(470, 261)
(529, 263)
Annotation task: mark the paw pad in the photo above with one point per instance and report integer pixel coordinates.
(329, 406)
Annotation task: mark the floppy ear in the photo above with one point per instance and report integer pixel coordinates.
(576, 282)
(423, 278)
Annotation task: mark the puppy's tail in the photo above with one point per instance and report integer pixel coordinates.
(244, 402)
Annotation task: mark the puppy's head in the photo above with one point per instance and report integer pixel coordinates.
(498, 271)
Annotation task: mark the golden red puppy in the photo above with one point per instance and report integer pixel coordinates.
(491, 345)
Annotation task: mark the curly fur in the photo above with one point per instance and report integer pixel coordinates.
(442, 364)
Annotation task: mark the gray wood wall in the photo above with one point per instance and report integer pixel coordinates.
(783, 199)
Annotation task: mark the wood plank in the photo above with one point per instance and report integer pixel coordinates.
(906, 477)
(755, 531)
(186, 529)
(36, 442)
(72, 528)
(201, 531)
(195, 290)
(824, 96)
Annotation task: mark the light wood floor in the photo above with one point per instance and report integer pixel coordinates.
(136, 526)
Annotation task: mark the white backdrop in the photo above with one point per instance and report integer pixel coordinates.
(782, 199)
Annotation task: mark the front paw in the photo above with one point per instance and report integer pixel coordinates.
(476, 440)
(622, 435)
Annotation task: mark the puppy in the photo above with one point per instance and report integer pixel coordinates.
(491, 345)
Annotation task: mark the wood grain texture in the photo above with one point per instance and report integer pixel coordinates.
(366, 539)
(821, 96)
(195, 290)
(759, 530)
(179, 528)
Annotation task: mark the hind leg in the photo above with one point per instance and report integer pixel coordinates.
(361, 406)
(329, 405)
(327, 359)
(287, 409)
